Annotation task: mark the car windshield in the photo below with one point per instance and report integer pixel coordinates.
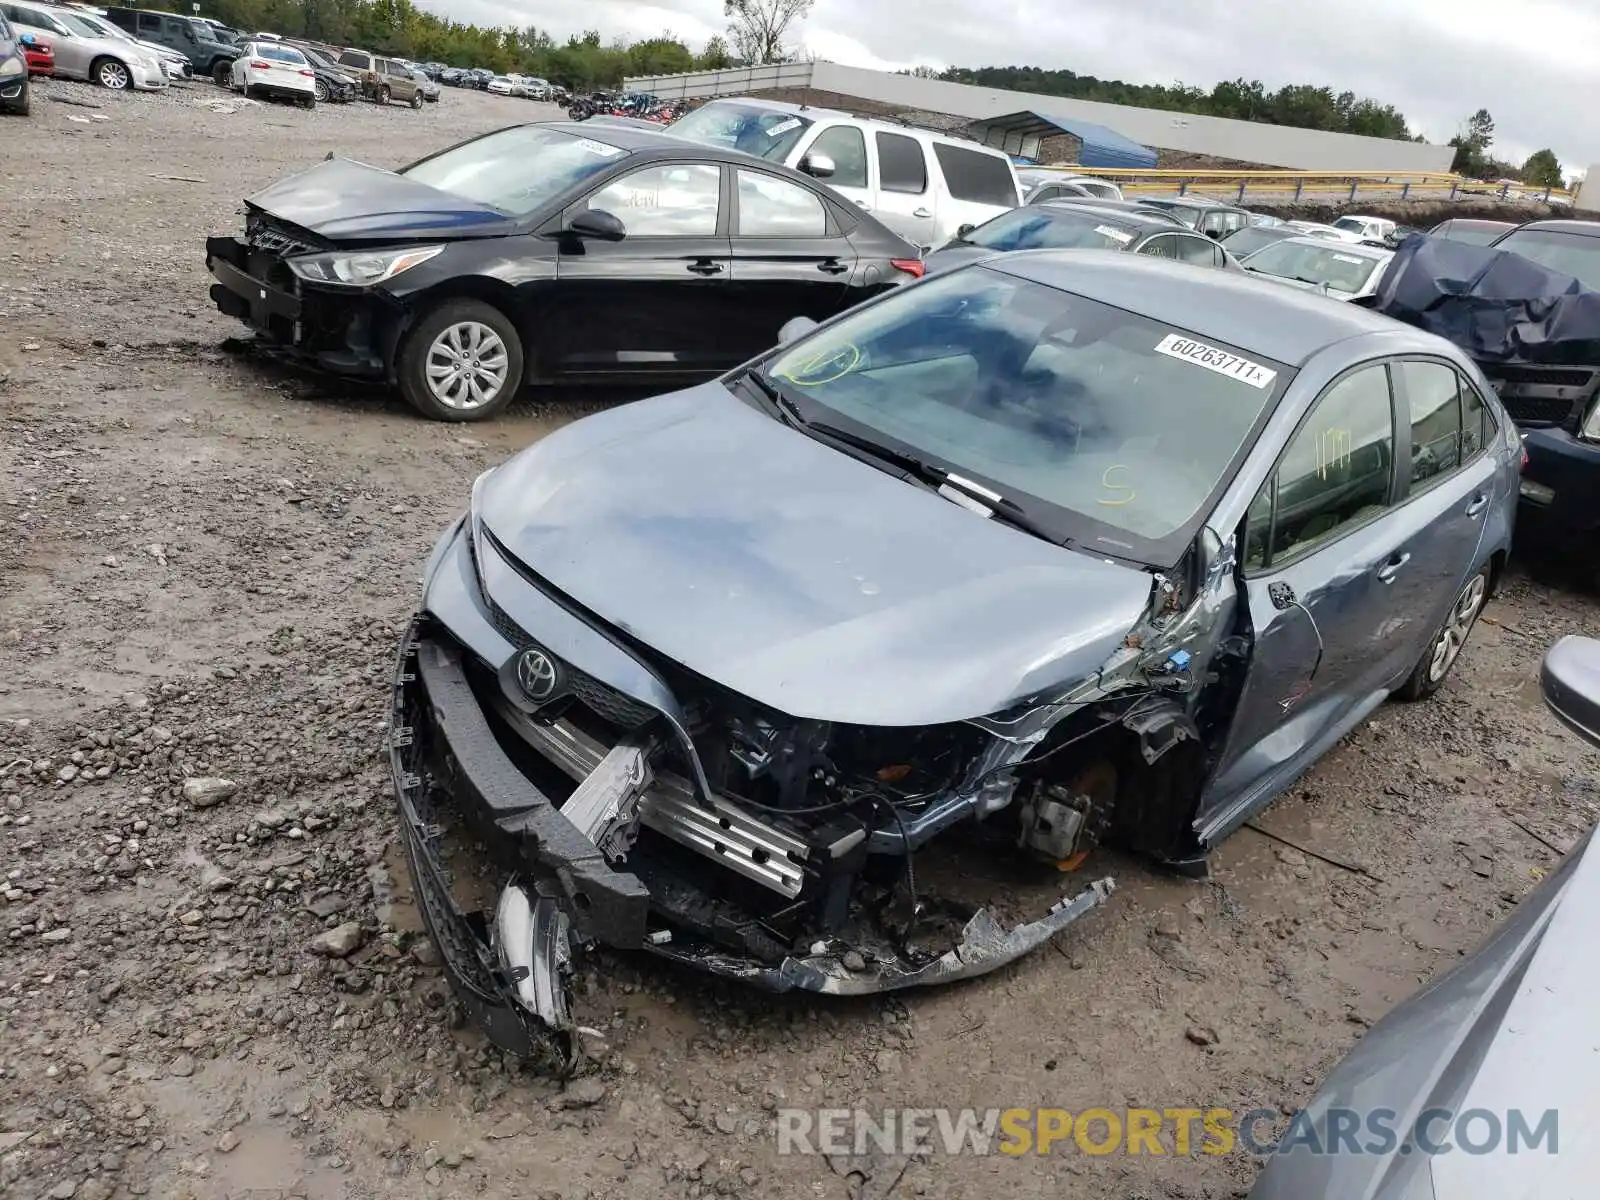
(281, 54)
(1353, 224)
(77, 25)
(319, 59)
(1250, 239)
(1472, 235)
(1309, 262)
(1571, 254)
(1037, 229)
(1112, 428)
(755, 130)
(516, 170)
(1181, 212)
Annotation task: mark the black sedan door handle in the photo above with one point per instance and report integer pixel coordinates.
(832, 266)
(1390, 569)
(705, 266)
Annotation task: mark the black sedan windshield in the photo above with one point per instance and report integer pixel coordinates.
(1039, 229)
(767, 133)
(1098, 422)
(516, 170)
(1571, 254)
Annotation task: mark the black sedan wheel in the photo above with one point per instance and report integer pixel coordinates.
(462, 362)
(1441, 654)
(320, 89)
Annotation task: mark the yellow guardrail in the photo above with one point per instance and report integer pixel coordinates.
(1296, 184)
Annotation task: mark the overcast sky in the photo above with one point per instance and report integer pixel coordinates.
(1532, 63)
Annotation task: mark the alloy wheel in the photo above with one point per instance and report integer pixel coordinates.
(320, 90)
(113, 75)
(1447, 648)
(466, 366)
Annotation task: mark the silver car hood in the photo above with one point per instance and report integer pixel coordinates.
(1514, 1027)
(796, 575)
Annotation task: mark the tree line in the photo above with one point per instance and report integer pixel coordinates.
(759, 30)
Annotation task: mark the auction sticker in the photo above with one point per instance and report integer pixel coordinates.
(1348, 258)
(1116, 235)
(783, 126)
(1175, 345)
(600, 148)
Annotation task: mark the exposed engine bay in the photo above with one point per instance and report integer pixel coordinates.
(546, 812)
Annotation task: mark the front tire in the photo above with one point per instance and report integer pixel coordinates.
(461, 362)
(319, 91)
(111, 75)
(416, 99)
(1428, 676)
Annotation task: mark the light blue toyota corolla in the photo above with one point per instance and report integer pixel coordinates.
(1053, 550)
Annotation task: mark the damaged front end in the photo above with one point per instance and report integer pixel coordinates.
(575, 790)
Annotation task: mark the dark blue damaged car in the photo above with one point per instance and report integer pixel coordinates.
(1055, 551)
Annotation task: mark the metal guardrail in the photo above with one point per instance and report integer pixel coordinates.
(1237, 185)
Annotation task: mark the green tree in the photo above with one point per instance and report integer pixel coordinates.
(759, 29)
(1542, 169)
(715, 57)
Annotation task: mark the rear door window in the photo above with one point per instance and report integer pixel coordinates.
(976, 177)
(901, 165)
(1190, 248)
(1433, 395)
(772, 207)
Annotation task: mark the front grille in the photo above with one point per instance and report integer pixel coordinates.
(604, 701)
(1538, 410)
(1544, 395)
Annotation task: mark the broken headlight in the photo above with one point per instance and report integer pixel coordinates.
(359, 268)
(1590, 430)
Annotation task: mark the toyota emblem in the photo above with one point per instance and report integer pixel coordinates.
(537, 675)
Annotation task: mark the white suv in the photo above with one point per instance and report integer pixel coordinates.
(923, 185)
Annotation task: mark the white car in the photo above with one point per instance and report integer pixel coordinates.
(501, 86)
(1366, 229)
(1040, 186)
(270, 69)
(1330, 232)
(1343, 271)
(82, 52)
(174, 64)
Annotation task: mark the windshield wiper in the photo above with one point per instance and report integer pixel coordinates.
(907, 466)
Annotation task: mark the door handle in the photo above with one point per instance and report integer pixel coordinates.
(1390, 569)
(832, 266)
(704, 266)
(922, 212)
(1479, 503)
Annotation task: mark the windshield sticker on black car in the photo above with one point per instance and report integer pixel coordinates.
(1348, 258)
(1116, 235)
(600, 148)
(1175, 345)
(783, 126)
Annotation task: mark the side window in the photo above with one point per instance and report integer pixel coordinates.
(1334, 475)
(670, 201)
(901, 167)
(773, 207)
(976, 177)
(351, 59)
(1163, 245)
(149, 23)
(1477, 424)
(1433, 397)
(1198, 250)
(848, 149)
(1049, 191)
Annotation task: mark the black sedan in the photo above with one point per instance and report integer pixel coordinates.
(544, 253)
(1064, 225)
(332, 84)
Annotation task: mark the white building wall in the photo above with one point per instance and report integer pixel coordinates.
(1246, 141)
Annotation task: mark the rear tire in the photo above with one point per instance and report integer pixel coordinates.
(222, 74)
(458, 344)
(1428, 676)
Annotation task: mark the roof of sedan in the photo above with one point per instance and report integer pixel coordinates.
(632, 137)
(1360, 249)
(1559, 225)
(1234, 307)
(1125, 217)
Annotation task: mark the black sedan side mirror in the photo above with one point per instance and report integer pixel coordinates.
(598, 224)
(1570, 684)
(794, 329)
(818, 166)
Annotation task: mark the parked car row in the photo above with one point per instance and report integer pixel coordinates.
(525, 87)
(1147, 526)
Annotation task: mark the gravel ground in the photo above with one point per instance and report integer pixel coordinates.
(218, 988)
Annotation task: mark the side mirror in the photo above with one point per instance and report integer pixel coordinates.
(1569, 681)
(598, 224)
(965, 229)
(794, 329)
(818, 166)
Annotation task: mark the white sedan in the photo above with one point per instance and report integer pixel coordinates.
(267, 69)
(1341, 270)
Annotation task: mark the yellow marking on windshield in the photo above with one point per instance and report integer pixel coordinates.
(1333, 451)
(1108, 484)
(825, 366)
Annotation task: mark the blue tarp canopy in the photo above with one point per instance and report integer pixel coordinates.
(1020, 133)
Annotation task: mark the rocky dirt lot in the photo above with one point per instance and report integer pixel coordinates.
(211, 977)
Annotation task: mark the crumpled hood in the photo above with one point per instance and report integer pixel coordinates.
(349, 201)
(796, 575)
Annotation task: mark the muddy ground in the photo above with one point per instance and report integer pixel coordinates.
(206, 563)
